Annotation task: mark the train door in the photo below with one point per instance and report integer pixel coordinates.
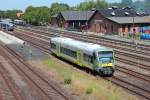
(95, 63)
(79, 57)
(57, 49)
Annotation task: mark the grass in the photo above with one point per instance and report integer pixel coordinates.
(86, 85)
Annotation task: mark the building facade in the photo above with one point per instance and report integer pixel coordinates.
(100, 24)
(122, 21)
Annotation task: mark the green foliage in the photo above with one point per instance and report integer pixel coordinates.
(37, 15)
(88, 5)
(83, 83)
(127, 2)
(89, 91)
(139, 4)
(67, 81)
(9, 14)
(116, 4)
(147, 3)
(58, 7)
(101, 4)
(59, 21)
(123, 3)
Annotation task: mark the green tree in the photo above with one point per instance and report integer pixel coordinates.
(9, 14)
(139, 5)
(58, 7)
(101, 4)
(28, 15)
(37, 15)
(115, 4)
(88, 5)
(147, 3)
(127, 2)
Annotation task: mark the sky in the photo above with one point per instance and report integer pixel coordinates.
(23, 4)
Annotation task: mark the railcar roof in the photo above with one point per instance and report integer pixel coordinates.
(79, 44)
(4, 22)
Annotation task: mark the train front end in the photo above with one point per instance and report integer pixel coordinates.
(105, 62)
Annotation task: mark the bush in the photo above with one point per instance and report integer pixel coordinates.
(67, 81)
(89, 91)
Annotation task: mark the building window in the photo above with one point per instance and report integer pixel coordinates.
(88, 58)
(68, 52)
(123, 28)
(100, 28)
(112, 28)
(105, 26)
(129, 28)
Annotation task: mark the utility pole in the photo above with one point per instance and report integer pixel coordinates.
(133, 34)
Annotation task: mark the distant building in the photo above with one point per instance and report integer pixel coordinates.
(118, 21)
(54, 20)
(73, 20)
(107, 21)
(19, 14)
(7, 20)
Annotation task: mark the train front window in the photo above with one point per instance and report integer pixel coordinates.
(105, 56)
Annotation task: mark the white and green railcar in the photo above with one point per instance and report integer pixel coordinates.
(93, 56)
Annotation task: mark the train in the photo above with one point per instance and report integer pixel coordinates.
(19, 22)
(99, 59)
(6, 26)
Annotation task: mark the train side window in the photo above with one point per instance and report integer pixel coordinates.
(88, 58)
(53, 46)
(68, 52)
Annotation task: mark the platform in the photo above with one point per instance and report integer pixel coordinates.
(9, 39)
(21, 47)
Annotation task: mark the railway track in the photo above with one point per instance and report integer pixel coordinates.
(8, 90)
(145, 48)
(121, 55)
(114, 45)
(144, 94)
(135, 88)
(46, 89)
(129, 59)
(25, 92)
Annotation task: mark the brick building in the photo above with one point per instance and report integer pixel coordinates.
(108, 21)
(128, 24)
(75, 20)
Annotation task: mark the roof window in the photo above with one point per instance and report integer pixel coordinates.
(126, 13)
(109, 8)
(113, 13)
(114, 7)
